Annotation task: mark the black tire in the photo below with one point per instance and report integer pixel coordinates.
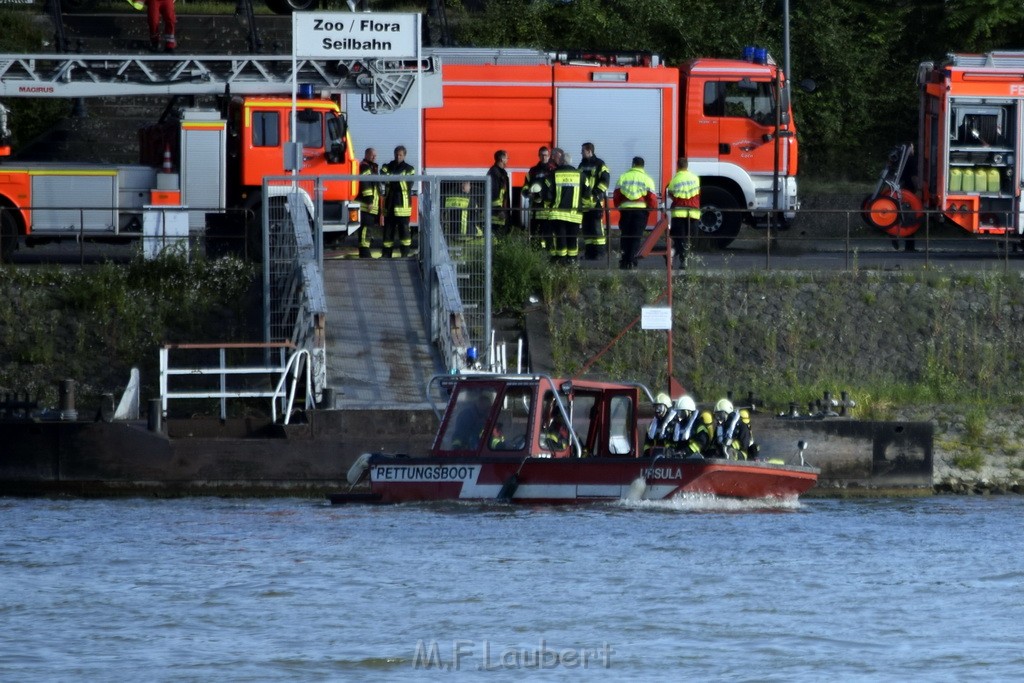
(8, 234)
(289, 6)
(720, 218)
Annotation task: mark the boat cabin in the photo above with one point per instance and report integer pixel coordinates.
(537, 416)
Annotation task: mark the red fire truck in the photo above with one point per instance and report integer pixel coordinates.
(730, 117)
(969, 151)
(211, 159)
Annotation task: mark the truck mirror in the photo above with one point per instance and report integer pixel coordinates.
(335, 152)
(808, 85)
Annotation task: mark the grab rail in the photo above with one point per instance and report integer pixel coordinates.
(284, 366)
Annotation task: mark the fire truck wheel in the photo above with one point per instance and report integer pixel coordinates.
(8, 235)
(719, 217)
(289, 6)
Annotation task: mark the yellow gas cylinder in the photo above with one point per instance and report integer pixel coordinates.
(956, 180)
(968, 180)
(993, 180)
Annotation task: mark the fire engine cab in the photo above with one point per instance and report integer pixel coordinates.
(210, 160)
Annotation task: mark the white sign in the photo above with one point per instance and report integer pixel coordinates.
(354, 35)
(656, 318)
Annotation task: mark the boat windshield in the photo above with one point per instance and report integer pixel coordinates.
(469, 418)
(511, 431)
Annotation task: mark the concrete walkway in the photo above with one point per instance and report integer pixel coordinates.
(379, 352)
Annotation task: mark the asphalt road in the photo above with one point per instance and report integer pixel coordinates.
(750, 253)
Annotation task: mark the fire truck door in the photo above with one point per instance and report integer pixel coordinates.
(746, 111)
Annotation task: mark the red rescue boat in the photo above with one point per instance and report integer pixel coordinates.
(505, 437)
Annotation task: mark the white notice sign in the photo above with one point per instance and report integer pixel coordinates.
(354, 35)
(656, 318)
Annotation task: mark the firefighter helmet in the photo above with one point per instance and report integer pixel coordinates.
(663, 399)
(723, 406)
(685, 403)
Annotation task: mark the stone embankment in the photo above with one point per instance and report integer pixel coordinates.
(939, 347)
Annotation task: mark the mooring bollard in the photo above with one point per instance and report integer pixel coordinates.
(154, 414)
(107, 407)
(327, 399)
(67, 400)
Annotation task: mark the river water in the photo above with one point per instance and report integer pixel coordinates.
(224, 589)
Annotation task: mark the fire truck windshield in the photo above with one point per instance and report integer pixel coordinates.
(310, 129)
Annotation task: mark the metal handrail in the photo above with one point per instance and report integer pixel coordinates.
(222, 371)
(293, 365)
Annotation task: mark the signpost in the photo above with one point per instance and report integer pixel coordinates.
(355, 35)
(349, 35)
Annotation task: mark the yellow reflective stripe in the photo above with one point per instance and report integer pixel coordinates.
(68, 172)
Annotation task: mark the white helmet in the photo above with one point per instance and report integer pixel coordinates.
(663, 399)
(684, 402)
(723, 406)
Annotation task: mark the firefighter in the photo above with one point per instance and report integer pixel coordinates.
(721, 441)
(397, 205)
(598, 178)
(702, 440)
(733, 436)
(155, 11)
(634, 196)
(369, 202)
(659, 432)
(683, 192)
(532, 190)
(460, 216)
(563, 192)
(499, 192)
(745, 437)
(685, 426)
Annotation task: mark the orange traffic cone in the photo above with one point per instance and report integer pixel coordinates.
(168, 167)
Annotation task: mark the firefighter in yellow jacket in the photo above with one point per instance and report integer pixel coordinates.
(598, 178)
(634, 197)
(369, 202)
(563, 192)
(683, 194)
(397, 205)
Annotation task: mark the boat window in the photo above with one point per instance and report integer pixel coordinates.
(554, 434)
(619, 431)
(469, 418)
(511, 431)
(584, 413)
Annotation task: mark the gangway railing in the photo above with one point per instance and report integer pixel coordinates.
(281, 362)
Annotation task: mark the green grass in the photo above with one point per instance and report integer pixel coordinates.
(969, 459)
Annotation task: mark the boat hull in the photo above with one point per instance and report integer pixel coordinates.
(579, 480)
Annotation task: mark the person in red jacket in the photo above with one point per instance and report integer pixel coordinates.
(635, 197)
(155, 11)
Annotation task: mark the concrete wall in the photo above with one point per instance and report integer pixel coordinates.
(252, 457)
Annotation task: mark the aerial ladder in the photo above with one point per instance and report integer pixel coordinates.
(385, 83)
